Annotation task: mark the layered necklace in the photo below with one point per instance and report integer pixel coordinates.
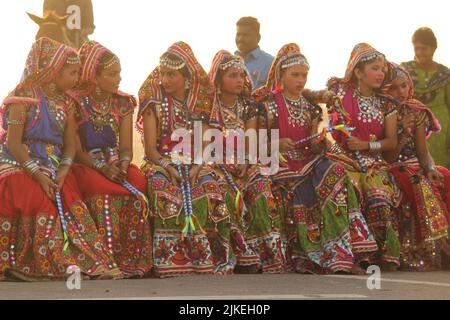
(232, 116)
(296, 108)
(101, 113)
(180, 115)
(369, 108)
(56, 105)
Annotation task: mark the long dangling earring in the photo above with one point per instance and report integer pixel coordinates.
(282, 86)
(187, 85)
(219, 91)
(98, 91)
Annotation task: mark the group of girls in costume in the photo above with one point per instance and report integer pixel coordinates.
(358, 190)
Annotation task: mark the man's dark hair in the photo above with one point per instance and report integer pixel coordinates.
(251, 22)
(425, 36)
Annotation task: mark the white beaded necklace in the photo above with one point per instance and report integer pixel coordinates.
(296, 109)
(369, 108)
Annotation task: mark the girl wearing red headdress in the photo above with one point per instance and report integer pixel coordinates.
(234, 113)
(191, 219)
(45, 227)
(113, 188)
(423, 214)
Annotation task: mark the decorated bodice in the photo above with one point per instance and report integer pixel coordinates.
(294, 120)
(99, 124)
(407, 139)
(172, 115)
(43, 135)
(236, 116)
(367, 115)
(232, 121)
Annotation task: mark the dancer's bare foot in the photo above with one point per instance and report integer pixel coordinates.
(357, 270)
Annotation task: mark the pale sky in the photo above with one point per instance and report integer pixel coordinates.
(139, 31)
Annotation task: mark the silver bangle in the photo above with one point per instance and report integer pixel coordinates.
(164, 163)
(28, 163)
(66, 161)
(374, 146)
(31, 166)
(124, 159)
(33, 170)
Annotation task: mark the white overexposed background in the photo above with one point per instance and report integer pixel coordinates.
(139, 31)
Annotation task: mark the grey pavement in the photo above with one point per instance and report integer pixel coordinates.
(394, 285)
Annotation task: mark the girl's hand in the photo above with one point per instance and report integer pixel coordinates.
(408, 122)
(286, 144)
(123, 166)
(174, 175)
(435, 177)
(328, 96)
(193, 174)
(61, 176)
(241, 170)
(113, 173)
(355, 144)
(46, 184)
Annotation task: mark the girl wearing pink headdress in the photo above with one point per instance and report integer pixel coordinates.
(325, 227)
(264, 242)
(372, 116)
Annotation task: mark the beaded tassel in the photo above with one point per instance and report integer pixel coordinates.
(108, 222)
(53, 161)
(239, 203)
(185, 206)
(189, 226)
(189, 198)
(142, 197)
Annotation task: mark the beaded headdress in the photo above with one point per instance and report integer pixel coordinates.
(236, 63)
(172, 64)
(197, 100)
(108, 64)
(284, 56)
(294, 59)
(362, 52)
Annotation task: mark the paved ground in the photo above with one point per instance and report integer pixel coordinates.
(399, 285)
